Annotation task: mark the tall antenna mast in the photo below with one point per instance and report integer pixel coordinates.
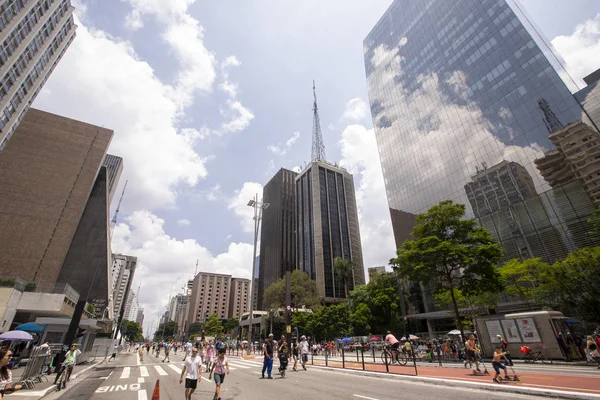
(196, 270)
(318, 148)
(113, 222)
(550, 119)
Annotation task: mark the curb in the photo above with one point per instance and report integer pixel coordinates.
(552, 393)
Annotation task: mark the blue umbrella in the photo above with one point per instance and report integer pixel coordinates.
(30, 327)
(16, 335)
(346, 339)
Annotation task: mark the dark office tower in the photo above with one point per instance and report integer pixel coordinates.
(114, 167)
(495, 188)
(453, 85)
(34, 35)
(277, 249)
(327, 225)
(47, 172)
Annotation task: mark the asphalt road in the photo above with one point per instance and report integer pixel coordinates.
(126, 380)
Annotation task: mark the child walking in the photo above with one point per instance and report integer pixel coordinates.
(220, 368)
(497, 364)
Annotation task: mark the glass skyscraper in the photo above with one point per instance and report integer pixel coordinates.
(34, 34)
(464, 96)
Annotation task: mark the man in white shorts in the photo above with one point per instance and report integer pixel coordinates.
(192, 370)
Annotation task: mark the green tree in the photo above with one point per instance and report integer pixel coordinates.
(361, 320)
(196, 327)
(522, 279)
(303, 290)
(213, 325)
(133, 330)
(381, 297)
(330, 322)
(594, 221)
(344, 270)
(573, 283)
(231, 325)
(165, 331)
(451, 253)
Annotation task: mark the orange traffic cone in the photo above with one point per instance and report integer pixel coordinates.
(156, 394)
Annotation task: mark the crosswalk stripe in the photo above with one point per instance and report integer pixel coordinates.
(160, 371)
(125, 373)
(238, 365)
(144, 371)
(174, 368)
(142, 394)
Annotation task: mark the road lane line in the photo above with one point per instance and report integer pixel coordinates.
(137, 357)
(160, 371)
(206, 379)
(125, 373)
(364, 397)
(142, 395)
(174, 368)
(239, 365)
(144, 371)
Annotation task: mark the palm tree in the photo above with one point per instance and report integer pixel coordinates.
(344, 270)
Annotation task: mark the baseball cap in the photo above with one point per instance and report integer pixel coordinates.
(270, 335)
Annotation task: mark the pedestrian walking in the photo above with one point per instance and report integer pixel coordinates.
(304, 351)
(167, 352)
(210, 355)
(295, 354)
(268, 360)
(283, 354)
(114, 353)
(192, 370)
(219, 369)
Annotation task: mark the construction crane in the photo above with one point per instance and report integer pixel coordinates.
(113, 222)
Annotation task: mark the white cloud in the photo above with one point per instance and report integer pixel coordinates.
(356, 110)
(360, 157)
(230, 61)
(239, 203)
(238, 117)
(184, 222)
(101, 80)
(581, 49)
(282, 149)
(164, 260)
(231, 88)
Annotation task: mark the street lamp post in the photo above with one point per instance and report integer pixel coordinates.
(258, 206)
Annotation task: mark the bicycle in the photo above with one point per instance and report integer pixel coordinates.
(65, 373)
(533, 356)
(387, 356)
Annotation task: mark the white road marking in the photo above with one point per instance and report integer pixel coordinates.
(364, 397)
(137, 357)
(144, 371)
(125, 373)
(238, 365)
(176, 369)
(141, 380)
(206, 379)
(160, 371)
(142, 395)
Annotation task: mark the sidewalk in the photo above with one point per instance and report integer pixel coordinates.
(47, 386)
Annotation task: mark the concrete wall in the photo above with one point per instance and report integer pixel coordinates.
(47, 171)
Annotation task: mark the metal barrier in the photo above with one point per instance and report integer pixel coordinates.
(34, 370)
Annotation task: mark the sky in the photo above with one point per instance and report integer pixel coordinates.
(208, 99)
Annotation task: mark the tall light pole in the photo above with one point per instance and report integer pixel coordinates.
(258, 206)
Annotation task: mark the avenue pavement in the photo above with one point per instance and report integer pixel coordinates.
(129, 379)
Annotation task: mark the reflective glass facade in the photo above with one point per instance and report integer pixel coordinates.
(33, 37)
(464, 97)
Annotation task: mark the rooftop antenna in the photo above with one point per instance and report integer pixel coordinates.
(196, 270)
(113, 222)
(550, 119)
(318, 148)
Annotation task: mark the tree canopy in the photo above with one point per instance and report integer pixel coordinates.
(344, 271)
(303, 290)
(196, 327)
(213, 325)
(450, 253)
(132, 330)
(166, 331)
(522, 279)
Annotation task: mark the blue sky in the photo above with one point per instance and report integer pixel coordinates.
(209, 98)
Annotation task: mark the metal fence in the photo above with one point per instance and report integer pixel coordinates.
(38, 361)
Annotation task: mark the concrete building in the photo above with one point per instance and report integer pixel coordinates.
(495, 188)
(589, 99)
(114, 166)
(140, 317)
(239, 301)
(376, 271)
(454, 85)
(327, 225)
(131, 307)
(34, 35)
(44, 194)
(210, 295)
(277, 237)
(577, 157)
(122, 288)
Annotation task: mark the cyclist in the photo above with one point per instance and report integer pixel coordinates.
(70, 361)
(394, 343)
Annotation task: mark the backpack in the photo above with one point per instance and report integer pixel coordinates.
(218, 346)
(593, 347)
